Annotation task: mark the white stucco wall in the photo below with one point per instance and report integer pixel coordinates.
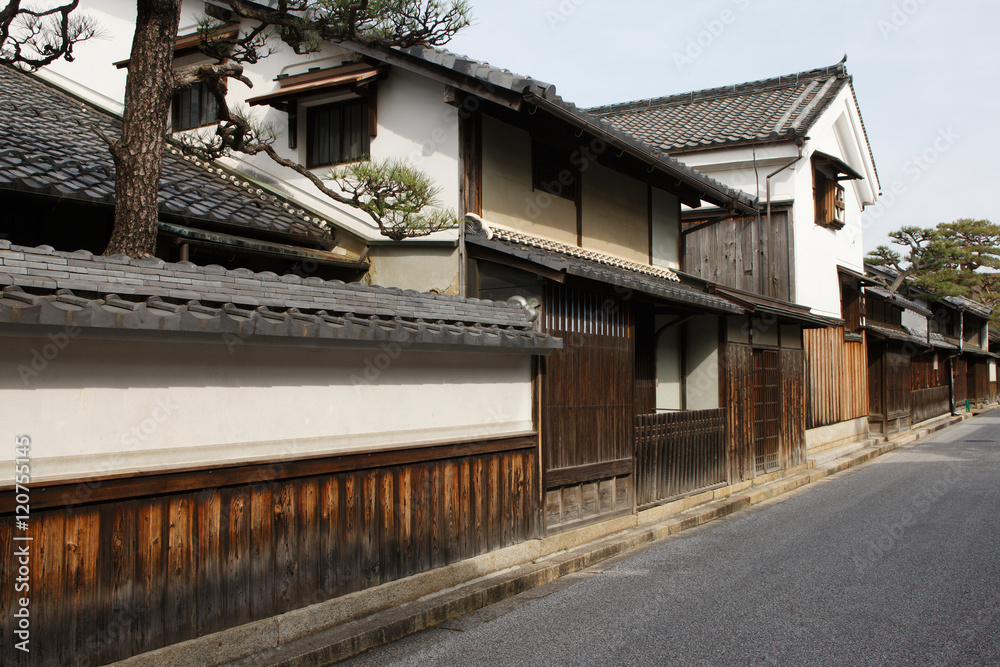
(702, 363)
(665, 221)
(668, 365)
(106, 407)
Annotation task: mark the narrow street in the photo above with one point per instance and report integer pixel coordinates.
(895, 563)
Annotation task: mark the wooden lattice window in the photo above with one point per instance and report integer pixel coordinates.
(553, 172)
(829, 200)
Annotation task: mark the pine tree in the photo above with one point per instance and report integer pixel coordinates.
(400, 200)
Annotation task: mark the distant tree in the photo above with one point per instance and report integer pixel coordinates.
(925, 253)
(959, 258)
(400, 201)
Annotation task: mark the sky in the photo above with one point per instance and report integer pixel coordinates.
(926, 73)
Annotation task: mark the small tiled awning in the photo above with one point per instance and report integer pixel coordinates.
(782, 309)
(344, 77)
(860, 277)
(203, 237)
(840, 169)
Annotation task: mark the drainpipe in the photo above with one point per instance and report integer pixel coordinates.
(767, 181)
(951, 383)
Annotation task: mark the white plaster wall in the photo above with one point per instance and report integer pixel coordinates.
(819, 250)
(703, 363)
(915, 321)
(668, 366)
(428, 269)
(665, 219)
(615, 210)
(103, 407)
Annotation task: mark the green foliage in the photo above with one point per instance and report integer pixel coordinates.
(400, 198)
(957, 258)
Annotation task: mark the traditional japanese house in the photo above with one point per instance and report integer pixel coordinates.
(205, 447)
(797, 142)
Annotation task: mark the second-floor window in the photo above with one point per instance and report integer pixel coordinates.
(829, 201)
(193, 107)
(337, 133)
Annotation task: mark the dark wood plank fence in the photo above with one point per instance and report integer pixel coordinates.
(929, 403)
(679, 452)
(139, 566)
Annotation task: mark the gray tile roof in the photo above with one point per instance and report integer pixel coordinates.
(901, 334)
(968, 304)
(781, 108)
(897, 299)
(48, 287)
(48, 146)
(654, 281)
(486, 75)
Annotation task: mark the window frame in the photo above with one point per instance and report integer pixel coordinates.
(205, 112)
(365, 104)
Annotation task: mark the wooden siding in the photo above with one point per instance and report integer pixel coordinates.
(587, 394)
(765, 409)
(978, 379)
(119, 577)
(889, 387)
(767, 405)
(837, 387)
(679, 452)
(929, 403)
(743, 253)
(739, 410)
(961, 371)
(793, 407)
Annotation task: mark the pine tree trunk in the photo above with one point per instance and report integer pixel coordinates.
(139, 153)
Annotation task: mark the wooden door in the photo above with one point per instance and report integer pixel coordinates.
(766, 411)
(587, 405)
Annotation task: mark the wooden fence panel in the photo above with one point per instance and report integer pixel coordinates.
(739, 410)
(929, 403)
(679, 452)
(793, 407)
(837, 383)
(126, 573)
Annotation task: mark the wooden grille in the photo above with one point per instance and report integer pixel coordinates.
(587, 389)
(766, 410)
(679, 452)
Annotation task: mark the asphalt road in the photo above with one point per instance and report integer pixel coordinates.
(893, 563)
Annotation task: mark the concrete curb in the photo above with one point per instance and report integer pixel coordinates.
(384, 614)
